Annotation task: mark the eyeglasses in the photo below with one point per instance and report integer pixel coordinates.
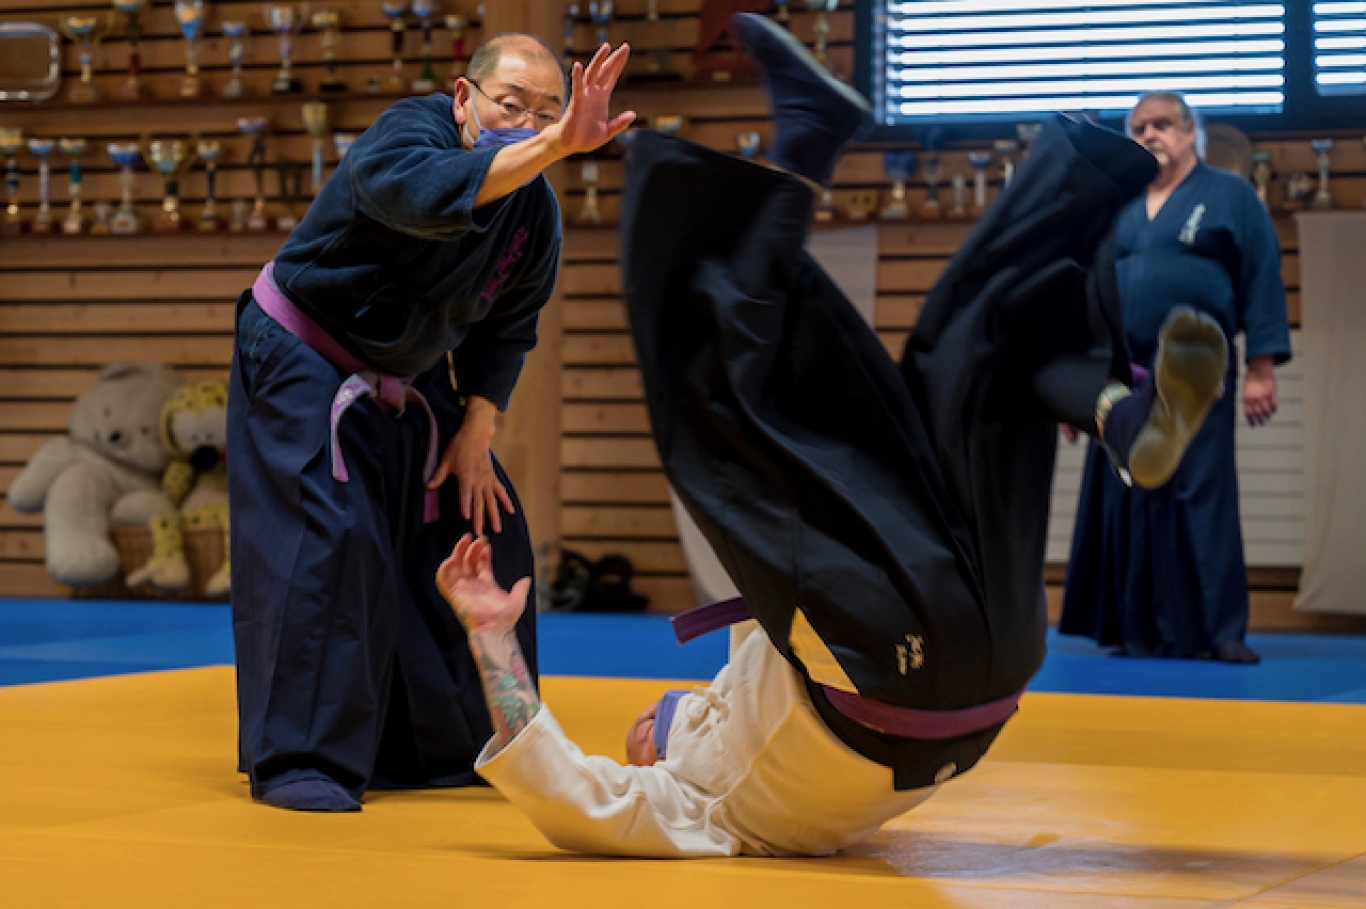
(516, 113)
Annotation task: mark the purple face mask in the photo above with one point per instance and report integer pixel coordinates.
(496, 138)
(664, 718)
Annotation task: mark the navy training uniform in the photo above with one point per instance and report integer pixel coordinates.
(1162, 572)
(350, 665)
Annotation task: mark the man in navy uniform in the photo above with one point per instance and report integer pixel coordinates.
(1161, 572)
(371, 358)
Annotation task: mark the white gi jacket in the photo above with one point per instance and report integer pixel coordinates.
(751, 769)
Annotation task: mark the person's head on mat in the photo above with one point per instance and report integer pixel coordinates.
(513, 82)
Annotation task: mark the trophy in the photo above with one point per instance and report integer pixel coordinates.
(291, 191)
(1027, 132)
(132, 9)
(1005, 148)
(208, 151)
(238, 221)
(669, 124)
(191, 15)
(40, 149)
(1323, 199)
(170, 158)
(286, 21)
(11, 141)
(236, 33)
(980, 161)
(1261, 175)
(861, 205)
(456, 26)
(1298, 186)
(784, 14)
(900, 166)
(425, 83)
(256, 128)
(329, 22)
(74, 222)
(315, 124)
(822, 9)
(657, 64)
(959, 209)
(590, 214)
(87, 31)
(572, 11)
(749, 145)
(393, 11)
(600, 11)
(825, 208)
(102, 212)
(125, 155)
(343, 142)
(930, 209)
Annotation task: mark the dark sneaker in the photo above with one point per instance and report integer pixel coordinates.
(1192, 357)
(816, 114)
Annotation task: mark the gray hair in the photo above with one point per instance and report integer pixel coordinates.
(1189, 118)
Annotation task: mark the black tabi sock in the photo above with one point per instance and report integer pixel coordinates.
(1126, 418)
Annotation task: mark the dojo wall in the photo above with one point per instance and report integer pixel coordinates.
(68, 305)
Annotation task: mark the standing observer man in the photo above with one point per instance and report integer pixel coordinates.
(1161, 572)
(371, 358)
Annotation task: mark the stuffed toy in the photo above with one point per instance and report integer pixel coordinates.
(194, 431)
(103, 471)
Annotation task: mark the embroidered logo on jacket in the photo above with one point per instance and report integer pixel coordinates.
(910, 655)
(513, 253)
(1187, 235)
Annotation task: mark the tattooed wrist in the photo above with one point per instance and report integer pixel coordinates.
(511, 696)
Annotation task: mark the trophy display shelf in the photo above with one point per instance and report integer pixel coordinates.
(212, 99)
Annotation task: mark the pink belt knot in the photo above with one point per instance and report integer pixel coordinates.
(392, 392)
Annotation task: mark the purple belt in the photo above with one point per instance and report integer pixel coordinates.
(907, 722)
(392, 392)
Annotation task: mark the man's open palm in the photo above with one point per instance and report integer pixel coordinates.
(466, 580)
(586, 125)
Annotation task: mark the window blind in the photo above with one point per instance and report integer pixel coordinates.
(1340, 48)
(1008, 59)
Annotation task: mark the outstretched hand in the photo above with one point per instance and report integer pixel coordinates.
(586, 126)
(466, 580)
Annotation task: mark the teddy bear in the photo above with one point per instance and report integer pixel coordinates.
(103, 472)
(194, 432)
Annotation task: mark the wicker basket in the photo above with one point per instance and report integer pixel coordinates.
(203, 550)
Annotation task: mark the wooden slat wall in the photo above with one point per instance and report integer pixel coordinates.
(68, 305)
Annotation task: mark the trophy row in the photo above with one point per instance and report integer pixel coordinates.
(170, 158)
(284, 19)
(1300, 190)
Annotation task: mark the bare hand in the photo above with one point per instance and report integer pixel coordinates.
(1259, 394)
(467, 457)
(585, 126)
(466, 580)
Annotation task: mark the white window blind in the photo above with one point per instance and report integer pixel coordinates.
(1340, 48)
(1007, 59)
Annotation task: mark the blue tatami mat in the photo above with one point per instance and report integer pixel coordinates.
(51, 640)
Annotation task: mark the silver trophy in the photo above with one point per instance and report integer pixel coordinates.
(74, 222)
(40, 149)
(190, 15)
(103, 210)
(959, 194)
(11, 143)
(1027, 132)
(236, 33)
(342, 142)
(256, 128)
(1261, 175)
(1323, 199)
(425, 83)
(931, 209)
(240, 209)
(600, 11)
(822, 9)
(286, 20)
(315, 124)
(591, 214)
(980, 161)
(208, 151)
(126, 155)
(900, 166)
(825, 208)
(749, 145)
(291, 174)
(1005, 148)
(572, 11)
(394, 11)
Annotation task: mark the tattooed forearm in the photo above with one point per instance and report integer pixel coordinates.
(512, 698)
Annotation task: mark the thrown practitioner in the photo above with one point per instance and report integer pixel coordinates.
(885, 525)
(360, 446)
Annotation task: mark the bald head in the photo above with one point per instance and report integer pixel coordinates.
(530, 48)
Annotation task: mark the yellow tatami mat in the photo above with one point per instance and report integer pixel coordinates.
(122, 792)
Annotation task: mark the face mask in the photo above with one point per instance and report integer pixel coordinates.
(496, 138)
